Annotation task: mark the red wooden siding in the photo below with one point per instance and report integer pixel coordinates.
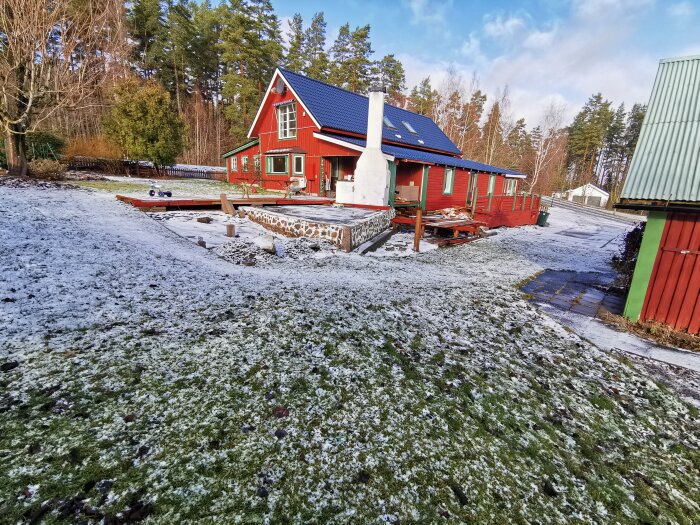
(673, 294)
(436, 200)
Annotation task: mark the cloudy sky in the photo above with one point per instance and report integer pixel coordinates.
(543, 50)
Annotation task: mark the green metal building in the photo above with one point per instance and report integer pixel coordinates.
(664, 179)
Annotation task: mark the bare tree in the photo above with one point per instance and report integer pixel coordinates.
(548, 145)
(54, 54)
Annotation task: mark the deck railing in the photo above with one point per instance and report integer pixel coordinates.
(507, 210)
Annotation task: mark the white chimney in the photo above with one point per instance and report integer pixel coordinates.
(371, 185)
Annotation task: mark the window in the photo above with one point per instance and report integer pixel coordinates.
(449, 182)
(287, 121)
(492, 184)
(511, 186)
(244, 163)
(388, 123)
(409, 127)
(256, 163)
(276, 164)
(234, 163)
(298, 164)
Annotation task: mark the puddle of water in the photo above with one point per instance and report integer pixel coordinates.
(581, 292)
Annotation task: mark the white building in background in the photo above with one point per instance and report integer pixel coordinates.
(586, 194)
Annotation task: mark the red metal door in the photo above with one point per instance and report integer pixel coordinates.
(673, 295)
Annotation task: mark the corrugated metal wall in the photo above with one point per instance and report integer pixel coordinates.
(666, 162)
(673, 295)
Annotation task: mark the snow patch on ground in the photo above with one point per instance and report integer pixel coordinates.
(142, 371)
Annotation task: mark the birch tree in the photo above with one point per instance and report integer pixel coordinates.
(547, 143)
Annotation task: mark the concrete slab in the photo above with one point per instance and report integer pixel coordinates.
(339, 215)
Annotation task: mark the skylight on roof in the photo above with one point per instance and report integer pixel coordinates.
(409, 127)
(388, 123)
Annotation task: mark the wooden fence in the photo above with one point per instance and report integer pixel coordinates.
(132, 168)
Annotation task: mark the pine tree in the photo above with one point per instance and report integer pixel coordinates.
(586, 136)
(359, 66)
(295, 52)
(145, 22)
(469, 133)
(389, 72)
(251, 47)
(314, 54)
(492, 133)
(423, 98)
(519, 145)
(340, 54)
(174, 52)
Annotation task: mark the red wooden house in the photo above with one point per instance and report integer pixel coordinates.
(310, 134)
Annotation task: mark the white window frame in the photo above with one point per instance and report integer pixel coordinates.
(511, 186)
(410, 128)
(447, 189)
(244, 163)
(269, 164)
(234, 163)
(294, 164)
(287, 121)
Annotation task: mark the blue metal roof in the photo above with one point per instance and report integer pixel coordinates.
(429, 157)
(340, 109)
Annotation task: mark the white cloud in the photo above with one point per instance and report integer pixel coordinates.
(607, 8)
(471, 48)
(498, 27)
(563, 61)
(681, 10)
(428, 11)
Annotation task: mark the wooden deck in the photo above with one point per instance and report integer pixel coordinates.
(194, 204)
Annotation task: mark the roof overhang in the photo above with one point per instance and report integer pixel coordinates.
(267, 94)
(344, 144)
(240, 148)
(664, 206)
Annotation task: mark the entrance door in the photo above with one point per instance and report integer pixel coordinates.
(673, 294)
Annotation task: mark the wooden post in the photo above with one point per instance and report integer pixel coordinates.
(419, 230)
(515, 198)
(532, 199)
(476, 195)
(522, 208)
(226, 206)
(488, 207)
(230, 230)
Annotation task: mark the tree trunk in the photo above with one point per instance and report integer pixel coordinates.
(15, 147)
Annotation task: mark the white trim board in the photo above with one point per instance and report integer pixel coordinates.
(344, 144)
(267, 93)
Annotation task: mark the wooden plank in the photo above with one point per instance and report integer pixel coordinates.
(226, 206)
(692, 294)
(678, 238)
(689, 240)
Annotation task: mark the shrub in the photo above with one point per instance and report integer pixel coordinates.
(96, 147)
(46, 168)
(626, 260)
(44, 145)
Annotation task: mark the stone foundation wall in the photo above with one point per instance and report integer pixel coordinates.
(345, 237)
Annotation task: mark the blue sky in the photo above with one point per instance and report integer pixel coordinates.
(545, 51)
